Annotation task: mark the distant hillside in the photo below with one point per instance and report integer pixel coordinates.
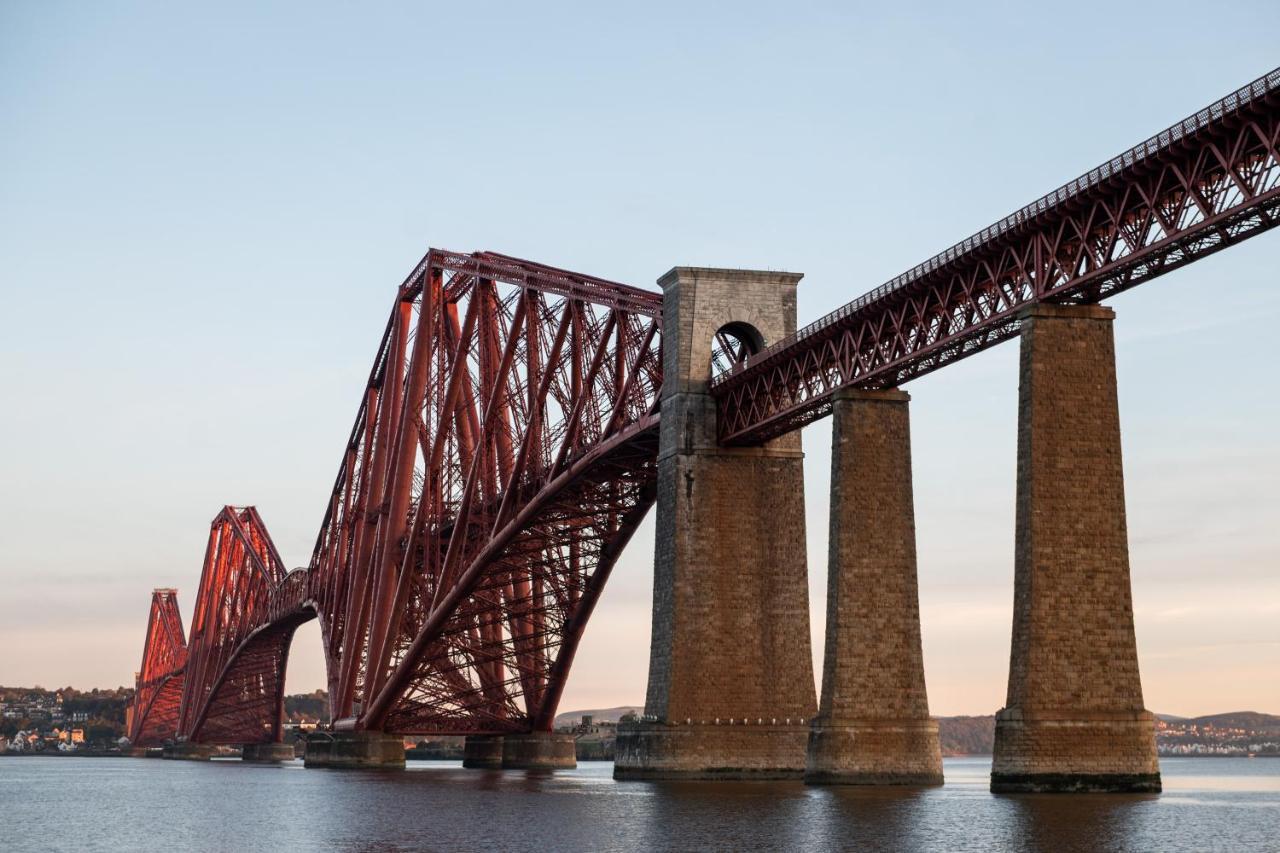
(307, 707)
(1248, 720)
(601, 715)
(967, 735)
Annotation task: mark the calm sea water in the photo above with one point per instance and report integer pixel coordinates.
(134, 804)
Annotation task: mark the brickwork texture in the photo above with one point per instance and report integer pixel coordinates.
(731, 608)
(1074, 718)
(873, 724)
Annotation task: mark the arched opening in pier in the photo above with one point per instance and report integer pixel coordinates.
(732, 345)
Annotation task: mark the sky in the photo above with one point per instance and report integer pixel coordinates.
(205, 212)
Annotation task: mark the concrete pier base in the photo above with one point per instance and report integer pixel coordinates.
(1074, 718)
(873, 725)
(355, 750)
(187, 751)
(267, 753)
(482, 752)
(758, 750)
(539, 751)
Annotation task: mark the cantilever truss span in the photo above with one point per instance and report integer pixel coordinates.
(158, 688)
(502, 455)
(246, 611)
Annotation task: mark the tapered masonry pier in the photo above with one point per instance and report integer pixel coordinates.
(873, 725)
(730, 670)
(1074, 718)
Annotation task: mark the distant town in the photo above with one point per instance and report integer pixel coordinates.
(34, 720)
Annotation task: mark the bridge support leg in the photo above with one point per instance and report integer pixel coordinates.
(539, 751)
(266, 753)
(873, 725)
(355, 750)
(730, 669)
(482, 752)
(185, 750)
(1074, 718)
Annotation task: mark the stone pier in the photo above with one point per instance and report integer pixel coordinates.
(482, 752)
(185, 750)
(355, 750)
(539, 751)
(873, 725)
(730, 671)
(266, 753)
(1074, 718)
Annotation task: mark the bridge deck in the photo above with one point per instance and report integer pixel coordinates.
(1203, 184)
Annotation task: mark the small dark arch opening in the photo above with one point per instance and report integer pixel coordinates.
(732, 345)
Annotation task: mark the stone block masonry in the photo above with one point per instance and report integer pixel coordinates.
(1074, 718)
(873, 724)
(731, 609)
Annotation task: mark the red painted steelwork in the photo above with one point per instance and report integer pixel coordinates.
(158, 685)
(505, 445)
(503, 453)
(245, 613)
(1202, 185)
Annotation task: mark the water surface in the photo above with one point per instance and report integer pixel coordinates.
(1228, 804)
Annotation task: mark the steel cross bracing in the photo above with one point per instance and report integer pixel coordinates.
(246, 610)
(503, 453)
(505, 445)
(1200, 186)
(158, 684)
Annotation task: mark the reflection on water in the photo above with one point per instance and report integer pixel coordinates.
(112, 804)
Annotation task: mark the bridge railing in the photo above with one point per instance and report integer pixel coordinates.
(1161, 141)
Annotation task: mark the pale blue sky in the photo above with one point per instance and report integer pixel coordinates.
(204, 213)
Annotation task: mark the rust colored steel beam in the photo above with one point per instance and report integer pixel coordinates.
(472, 525)
(246, 611)
(1206, 183)
(158, 690)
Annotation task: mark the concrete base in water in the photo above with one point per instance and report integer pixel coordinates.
(482, 752)
(758, 750)
(539, 751)
(187, 751)
(1075, 752)
(355, 750)
(267, 752)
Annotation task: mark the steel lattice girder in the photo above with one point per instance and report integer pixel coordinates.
(452, 579)
(505, 446)
(158, 685)
(1204, 184)
(245, 613)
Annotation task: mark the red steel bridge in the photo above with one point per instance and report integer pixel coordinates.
(505, 445)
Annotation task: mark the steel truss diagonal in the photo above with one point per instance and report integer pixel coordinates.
(1200, 186)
